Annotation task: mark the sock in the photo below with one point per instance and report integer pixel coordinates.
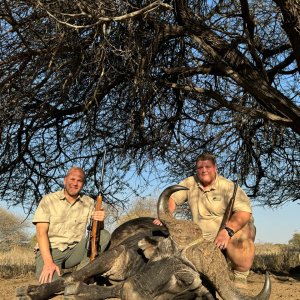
(241, 276)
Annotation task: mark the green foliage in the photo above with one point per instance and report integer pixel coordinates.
(295, 240)
(12, 230)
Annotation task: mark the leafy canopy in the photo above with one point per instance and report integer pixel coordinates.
(154, 83)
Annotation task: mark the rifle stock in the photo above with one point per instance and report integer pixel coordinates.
(95, 227)
(95, 231)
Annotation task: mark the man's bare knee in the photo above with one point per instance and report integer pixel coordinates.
(241, 248)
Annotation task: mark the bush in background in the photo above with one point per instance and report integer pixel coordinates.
(12, 231)
(276, 258)
(295, 240)
(140, 208)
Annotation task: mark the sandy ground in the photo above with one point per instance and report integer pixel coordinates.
(282, 287)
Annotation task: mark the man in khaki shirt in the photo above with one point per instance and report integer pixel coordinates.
(61, 220)
(208, 195)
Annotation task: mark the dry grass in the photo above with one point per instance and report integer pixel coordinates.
(18, 261)
(276, 258)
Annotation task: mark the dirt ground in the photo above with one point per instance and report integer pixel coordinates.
(282, 287)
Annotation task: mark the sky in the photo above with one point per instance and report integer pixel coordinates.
(275, 226)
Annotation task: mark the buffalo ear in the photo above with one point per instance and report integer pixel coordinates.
(148, 246)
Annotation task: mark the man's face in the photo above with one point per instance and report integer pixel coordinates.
(74, 183)
(206, 172)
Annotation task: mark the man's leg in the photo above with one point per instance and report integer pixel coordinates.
(241, 250)
(79, 256)
(58, 258)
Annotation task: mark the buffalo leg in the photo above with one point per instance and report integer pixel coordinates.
(101, 264)
(37, 292)
(79, 290)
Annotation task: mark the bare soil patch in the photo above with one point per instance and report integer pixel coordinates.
(283, 287)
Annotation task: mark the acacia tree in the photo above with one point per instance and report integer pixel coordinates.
(154, 83)
(295, 240)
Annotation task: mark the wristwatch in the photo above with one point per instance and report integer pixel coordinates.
(229, 231)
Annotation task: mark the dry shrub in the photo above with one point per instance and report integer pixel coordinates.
(278, 259)
(141, 207)
(19, 261)
(12, 230)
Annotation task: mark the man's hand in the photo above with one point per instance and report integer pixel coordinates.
(157, 222)
(48, 271)
(98, 215)
(222, 239)
(43, 240)
(172, 207)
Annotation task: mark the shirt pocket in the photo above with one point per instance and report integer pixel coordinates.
(216, 205)
(79, 226)
(57, 226)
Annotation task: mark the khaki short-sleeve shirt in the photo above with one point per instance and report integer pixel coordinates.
(208, 206)
(67, 222)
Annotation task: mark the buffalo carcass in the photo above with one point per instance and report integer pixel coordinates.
(141, 263)
(172, 271)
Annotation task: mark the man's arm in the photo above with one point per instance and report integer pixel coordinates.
(172, 208)
(43, 240)
(172, 205)
(237, 221)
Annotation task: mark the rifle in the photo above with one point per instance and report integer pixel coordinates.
(94, 228)
(229, 208)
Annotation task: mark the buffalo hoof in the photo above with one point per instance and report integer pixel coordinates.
(22, 293)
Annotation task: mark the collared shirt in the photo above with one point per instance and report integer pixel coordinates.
(208, 205)
(67, 222)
